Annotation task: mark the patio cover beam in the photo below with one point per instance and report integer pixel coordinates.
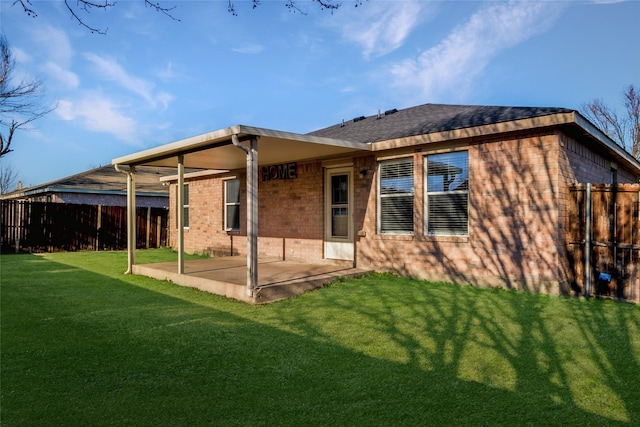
(180, 213)
(131, 216)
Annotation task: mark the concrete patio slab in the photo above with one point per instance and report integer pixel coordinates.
(227, 276)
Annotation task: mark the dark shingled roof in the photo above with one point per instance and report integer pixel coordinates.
(428, 118)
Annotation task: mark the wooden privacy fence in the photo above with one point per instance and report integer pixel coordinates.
(604, 239)
(48, 227)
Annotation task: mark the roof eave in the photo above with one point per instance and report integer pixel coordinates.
(607, 142)
(558, 119)
(476, 131)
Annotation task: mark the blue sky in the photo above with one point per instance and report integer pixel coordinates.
(152, 80)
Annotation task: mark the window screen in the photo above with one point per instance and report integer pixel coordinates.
(395, 209)
(447, 200)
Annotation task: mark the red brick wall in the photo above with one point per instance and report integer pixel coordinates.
(580, 164)
(513, 215)
(517, 217)
(293, 207)
(290, 215)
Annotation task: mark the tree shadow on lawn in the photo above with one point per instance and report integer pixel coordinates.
(81, 348)
(501, 357)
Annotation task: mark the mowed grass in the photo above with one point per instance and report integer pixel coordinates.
(84, 345)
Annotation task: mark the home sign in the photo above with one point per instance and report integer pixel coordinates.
(283, 171)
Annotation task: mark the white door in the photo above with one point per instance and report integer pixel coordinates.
(338, 234)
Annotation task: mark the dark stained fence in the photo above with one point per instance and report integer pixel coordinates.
(48, 227)
(613, 243)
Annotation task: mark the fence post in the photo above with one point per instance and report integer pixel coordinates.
(587, 242)
(17, 222)
(158, 231)
(148, 227)
(98, 227)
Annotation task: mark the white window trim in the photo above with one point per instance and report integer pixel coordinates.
(380, 197)
(435, 193)
(226, 204)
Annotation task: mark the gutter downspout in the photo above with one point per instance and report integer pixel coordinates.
(252, 211)
(131, 216)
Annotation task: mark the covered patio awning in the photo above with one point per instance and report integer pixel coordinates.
(230, 148)
(215, 150)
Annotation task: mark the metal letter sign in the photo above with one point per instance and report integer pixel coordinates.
(284, 171)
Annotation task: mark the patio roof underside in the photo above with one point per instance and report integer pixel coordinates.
(215, 150)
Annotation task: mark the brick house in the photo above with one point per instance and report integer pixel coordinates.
(469, 194)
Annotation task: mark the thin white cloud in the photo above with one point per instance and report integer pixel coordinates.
(68, 78)
(449, 69)
(111, 70)
(167, 73)
(249, 49)
(381, 27)
(20, 56)
(56, 55)
(99, 114)
(56, 42)
(164, 98)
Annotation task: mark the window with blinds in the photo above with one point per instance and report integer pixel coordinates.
(447, 195)
(395, 201)
(232, 204)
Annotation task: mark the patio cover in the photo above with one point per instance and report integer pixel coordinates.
(226, 149)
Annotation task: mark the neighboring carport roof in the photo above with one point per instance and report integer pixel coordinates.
(214, 150)
(100, 180)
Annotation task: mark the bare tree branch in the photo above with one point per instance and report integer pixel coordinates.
(632, 104)
(624, 130)
(161, 9)
(8, 178)
(86, 6)
(606, 119)
(5, 141)
(27, 9)
(20, 104)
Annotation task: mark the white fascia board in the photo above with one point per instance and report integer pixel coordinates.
(175, 148)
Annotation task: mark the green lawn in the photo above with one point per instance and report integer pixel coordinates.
(84, 345)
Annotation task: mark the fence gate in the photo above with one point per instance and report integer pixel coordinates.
(604, 239)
